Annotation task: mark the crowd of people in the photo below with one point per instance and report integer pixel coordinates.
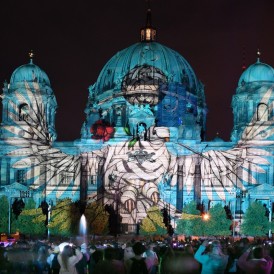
(205, 256)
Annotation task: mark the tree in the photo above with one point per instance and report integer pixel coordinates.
(4, 220)
(31, 221)
(255, 223)
(97, 218)
(217, 224)
(153, 223)
(190, 222)
(65, 218)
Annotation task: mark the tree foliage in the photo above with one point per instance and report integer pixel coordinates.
(217, 224)
(193, 223)
(31, 220)
(28, 222)
(4, 220)
(64, 221)
(190, 222)
(255, 223)
(65, 218)
(153, 223)
(97, 218)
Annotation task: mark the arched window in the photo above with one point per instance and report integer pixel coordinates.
(262, 112)
(23, 112)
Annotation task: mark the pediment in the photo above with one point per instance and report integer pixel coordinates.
(263, 189)
(14, 189)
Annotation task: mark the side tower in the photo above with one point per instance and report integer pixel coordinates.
(28, 105)
(252, 104)
(26, 82)
(253, 129)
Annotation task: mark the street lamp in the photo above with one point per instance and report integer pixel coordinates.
(14, 194)
(205, 217)
(238, 195)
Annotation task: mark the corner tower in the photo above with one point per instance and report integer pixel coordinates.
(253, 103)
(29, 91)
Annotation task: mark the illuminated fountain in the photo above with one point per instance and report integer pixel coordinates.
(81, 239)
(83, 228)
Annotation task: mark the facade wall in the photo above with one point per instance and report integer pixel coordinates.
(134, 156)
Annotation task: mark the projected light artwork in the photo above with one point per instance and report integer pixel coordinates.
(143, 142)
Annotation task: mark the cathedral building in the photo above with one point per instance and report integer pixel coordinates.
(143, 141)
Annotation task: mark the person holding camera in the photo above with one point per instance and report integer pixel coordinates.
(254, 261)
(68, 258)
(211, 257)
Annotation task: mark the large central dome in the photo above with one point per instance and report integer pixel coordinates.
(148, 84)
(169, 62)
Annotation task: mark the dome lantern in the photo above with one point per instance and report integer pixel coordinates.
(258, 55)
(31, 55)
(148, 33)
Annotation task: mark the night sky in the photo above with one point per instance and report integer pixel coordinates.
(73, 41)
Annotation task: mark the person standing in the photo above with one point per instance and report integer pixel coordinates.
(68, 258)
(137, 264)
(53, 261)
(41, 265)
(82, 265)
(211, 257)
(152, 260)
(254, 261)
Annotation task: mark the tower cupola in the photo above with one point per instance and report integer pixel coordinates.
(27, 101)
(148, 33)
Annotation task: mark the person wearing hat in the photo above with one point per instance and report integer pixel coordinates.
(211, 257)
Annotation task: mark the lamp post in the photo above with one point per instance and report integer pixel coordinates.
(11, 194)
(49, 216)
(233, 192)
(117, 213)
(270, 218)
(10, 214)
(237, 194)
